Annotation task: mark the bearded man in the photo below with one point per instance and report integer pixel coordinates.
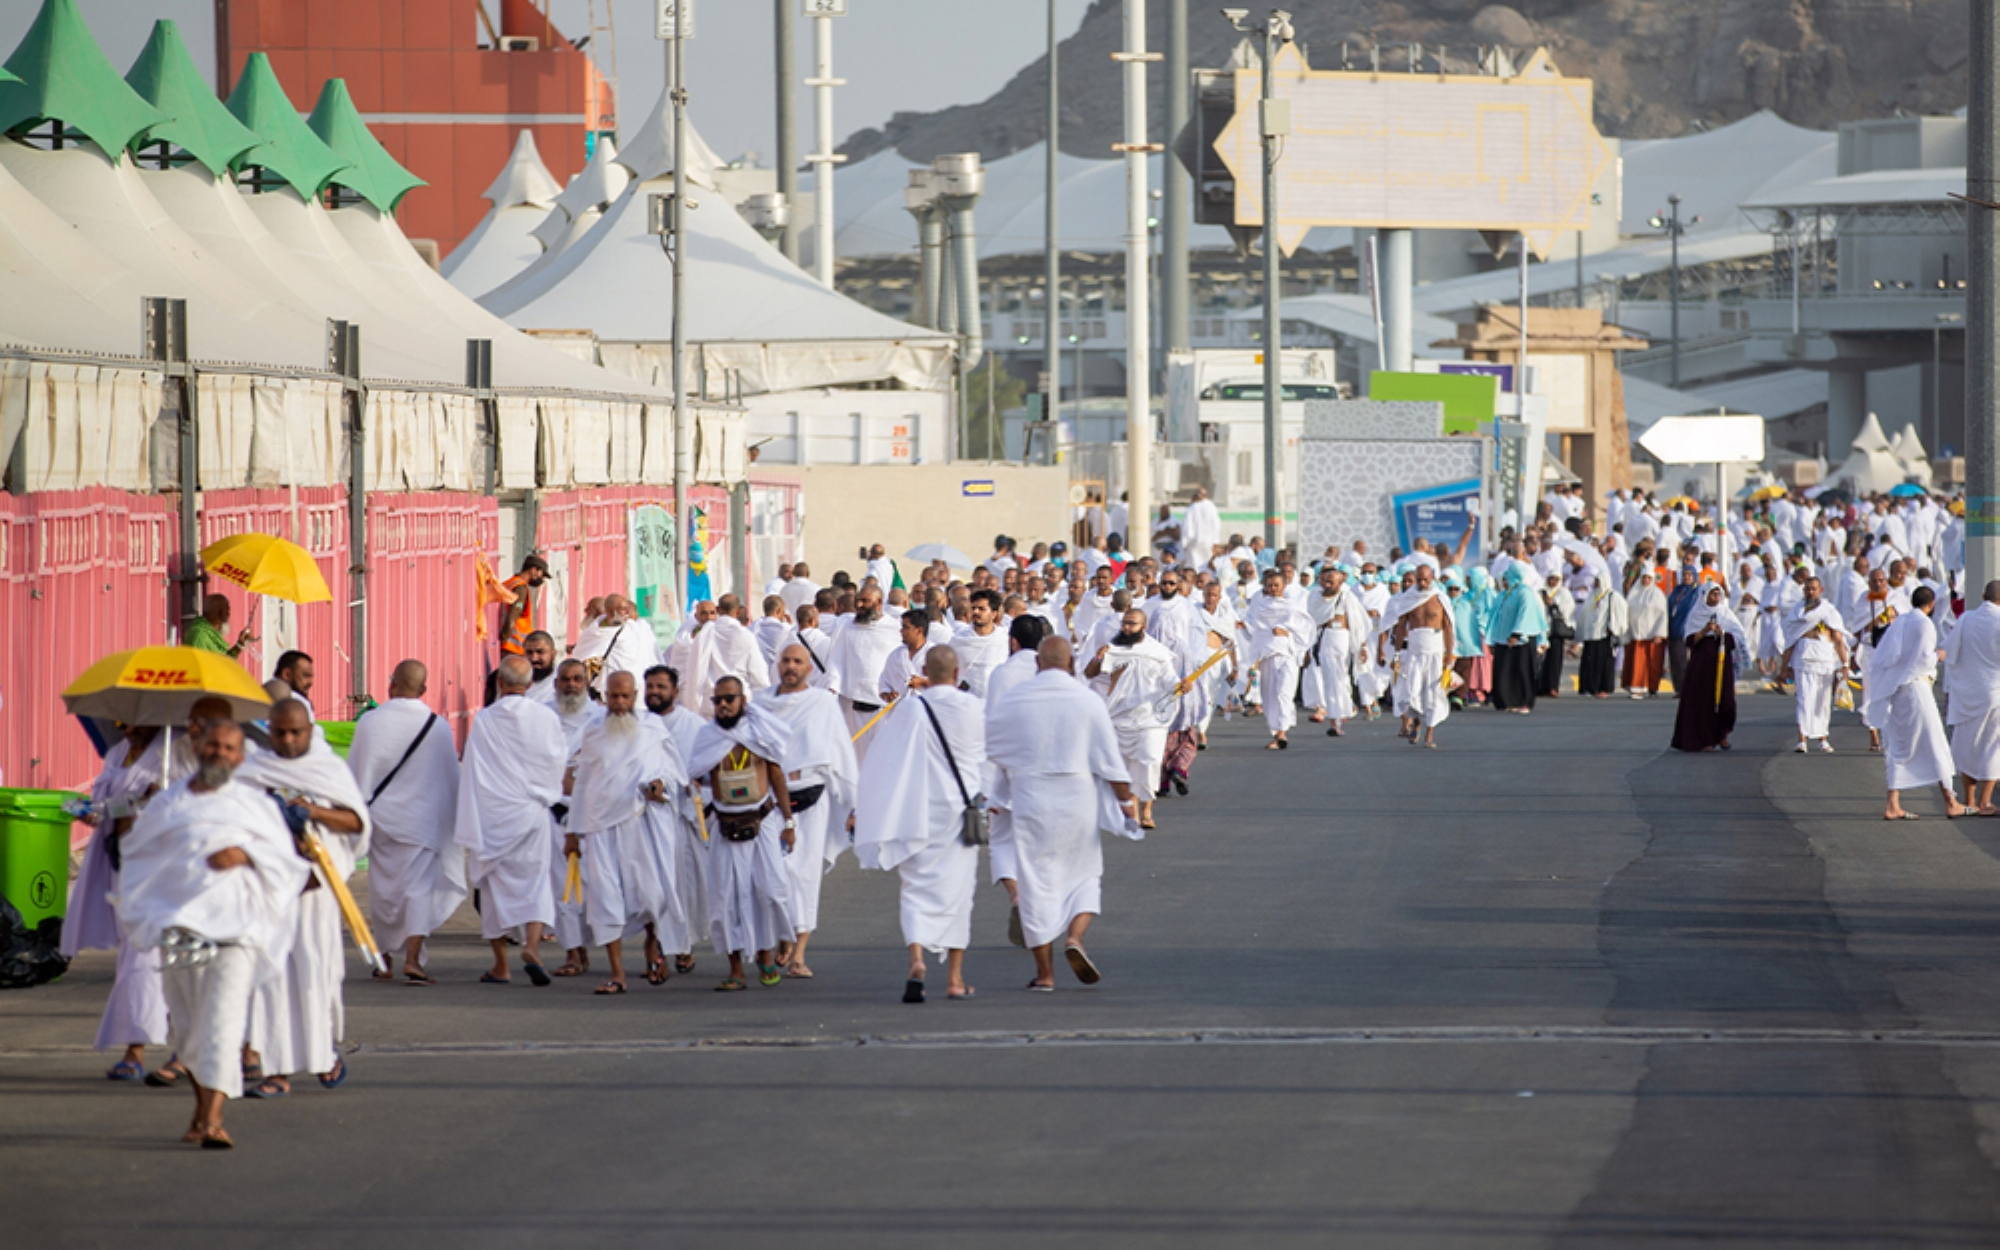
(751, 829)
(820, 776)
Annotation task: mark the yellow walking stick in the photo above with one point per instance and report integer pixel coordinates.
(1721, 657)
(573, 885)
(357, 924)
(871, 722)
(700, 820)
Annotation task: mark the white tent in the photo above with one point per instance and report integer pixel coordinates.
(1872, 467)
(502, 244)
(757, 319)
(1909, 451)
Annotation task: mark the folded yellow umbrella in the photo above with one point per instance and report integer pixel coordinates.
(265, 564)
(161, 685)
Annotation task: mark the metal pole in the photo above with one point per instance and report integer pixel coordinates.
(683, 425)
(1795, 278)
(1052, 238)
(1398, 282)
(1274, 400)
(1138, 302)
(1937, 383)
(1674, 233)
(788, 124)
(1176, 205)
(823, 82)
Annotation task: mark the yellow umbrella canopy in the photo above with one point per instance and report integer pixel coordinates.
(161, 685)
(265, 564)
(1686, 501)
(1773, 491)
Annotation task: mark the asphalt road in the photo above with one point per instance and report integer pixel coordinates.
(1550, 985)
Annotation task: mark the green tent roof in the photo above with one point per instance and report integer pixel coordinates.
(288, 148)
(165, 75)
(59, 74)
(371, 172)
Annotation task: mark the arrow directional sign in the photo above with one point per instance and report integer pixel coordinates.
(1705, 440)
(1421, 151)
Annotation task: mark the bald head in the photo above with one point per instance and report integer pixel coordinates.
(941, 666)
(1054, 653)
(290, 729)
(409, 680)
(1992, 594)
(209, 710)
(514, 676)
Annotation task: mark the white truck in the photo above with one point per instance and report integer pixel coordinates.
(1215, 398)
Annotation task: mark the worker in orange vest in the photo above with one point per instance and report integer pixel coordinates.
(517, 619)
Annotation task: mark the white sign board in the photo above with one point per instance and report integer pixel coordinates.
(674, 19)
(1705, 440)
(826, 8)
(1421, 151)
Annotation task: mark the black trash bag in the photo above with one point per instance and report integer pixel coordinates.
(28, 957)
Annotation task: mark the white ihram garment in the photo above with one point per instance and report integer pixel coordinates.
(1815, 665)
(628, 840)
(910, 810)
(1914, 750)
(136, 1012)
(1140, 675)
(296, 1019)
(1020, 666)
(1275, 656)
(568, 928)
(691, 851)
(978, 656)
(1972, 666)
(1424, 664)
(416, 873)
(1056, 758)
(165, 883)
(821, 755)
(854, 670)
(750, 886)
(511, 775)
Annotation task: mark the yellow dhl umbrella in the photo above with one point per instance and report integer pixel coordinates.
(1773, 491)
(1688, 502)
(161, 685)
(265, 564)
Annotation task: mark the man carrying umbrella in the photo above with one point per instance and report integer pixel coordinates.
(205, 631)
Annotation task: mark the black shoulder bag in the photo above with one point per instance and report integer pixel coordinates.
(973, 820)
(412, 750)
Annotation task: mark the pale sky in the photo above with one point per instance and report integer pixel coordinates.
(897, 55)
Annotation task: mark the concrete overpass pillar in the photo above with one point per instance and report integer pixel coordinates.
(1846, 409)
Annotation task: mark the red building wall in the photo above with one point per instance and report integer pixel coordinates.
(444, 108)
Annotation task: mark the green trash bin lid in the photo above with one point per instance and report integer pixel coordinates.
(45, 805)
(339, 735)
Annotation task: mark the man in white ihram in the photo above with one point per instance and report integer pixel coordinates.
(579, 713)
(914, 789)
(751, 829)
(855, 666)
(210, 861)
(1914, 750)
(723, 647)
(1057, 772)
(511, 777)
(1423, 630)
(1972, 672)
(628, 774)
(1202, 529)
(981, 643)
(820, 775)
(1815, 655)
(1275, 630)
(296, 1020)
(1142, 672)
(406, 765)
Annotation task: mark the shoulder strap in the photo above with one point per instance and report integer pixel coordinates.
(407, 753)
(800, 635)
(946, 744)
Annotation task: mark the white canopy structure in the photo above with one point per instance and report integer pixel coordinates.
(1872, 467)
(760, 324)
(502, 244)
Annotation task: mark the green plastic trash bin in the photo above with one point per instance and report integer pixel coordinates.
(339, 735)
(34, 853)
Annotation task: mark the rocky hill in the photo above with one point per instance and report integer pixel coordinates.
(1661, 66)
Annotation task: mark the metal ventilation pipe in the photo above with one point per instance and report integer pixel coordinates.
(769, 214)
(920, 201)
(960, 178)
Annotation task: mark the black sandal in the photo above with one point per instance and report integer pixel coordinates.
(610, 987)
(168, 1076)
(656, 972)
(913, 991)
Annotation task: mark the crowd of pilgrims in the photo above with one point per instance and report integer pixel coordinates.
(626, 789)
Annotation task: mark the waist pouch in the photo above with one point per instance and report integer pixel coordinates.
(741, 826)
(804, 798)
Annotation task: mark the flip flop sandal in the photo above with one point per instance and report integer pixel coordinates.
(381, 976)
(168, 1076)
(536, 973)
(610, 987)
(729, 985)
(1902, 816)
(656, 972)
(253, 1073)
(1036, 987)
(487, 978)
(572, 970)
(1080, 964)
(768, 975)
(955, 996)
(913, 991)
(126, 1070)
(684, 964)
(267, 1088)
(419, 978)
(215, 1137)
(798, 974)
(336, 1078)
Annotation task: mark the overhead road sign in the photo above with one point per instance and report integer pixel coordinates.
(1421, 151)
